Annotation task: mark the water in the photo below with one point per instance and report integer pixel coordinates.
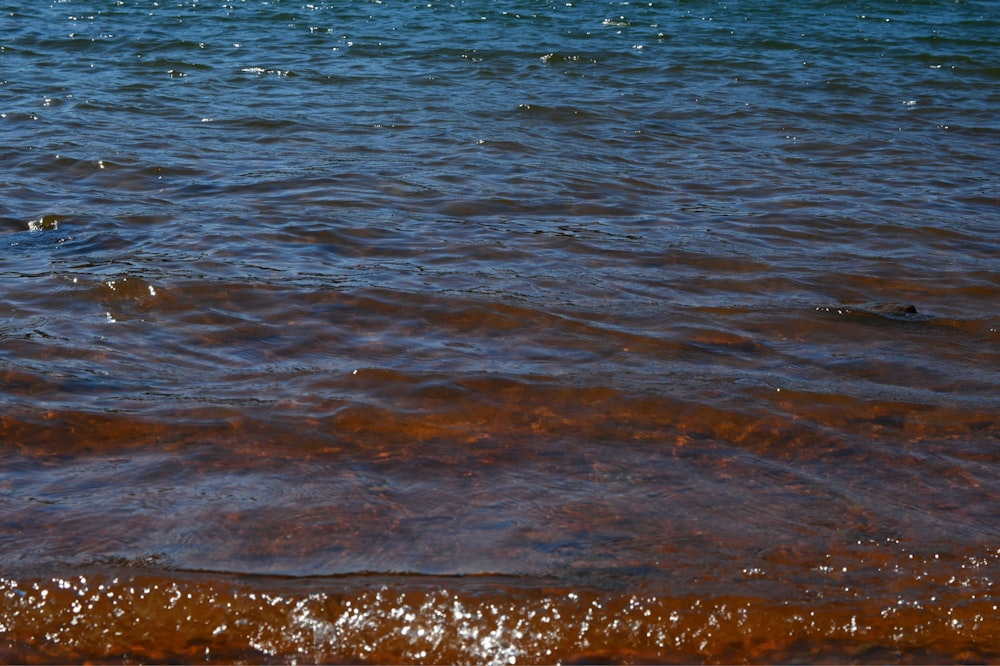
(499, 332)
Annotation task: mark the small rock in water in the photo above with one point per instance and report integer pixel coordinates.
(892, 309)
(44, 223)
(898, 311)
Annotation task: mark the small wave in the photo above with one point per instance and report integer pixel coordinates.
(147, 616)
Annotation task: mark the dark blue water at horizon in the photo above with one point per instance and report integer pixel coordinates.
(489, 332)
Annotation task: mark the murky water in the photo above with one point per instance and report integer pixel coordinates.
(490, 333)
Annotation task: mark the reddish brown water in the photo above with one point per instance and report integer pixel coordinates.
(407, 514)
(453, 333)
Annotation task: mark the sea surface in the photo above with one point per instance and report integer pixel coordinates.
(499, 332)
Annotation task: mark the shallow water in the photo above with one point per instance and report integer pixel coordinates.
(470, 332)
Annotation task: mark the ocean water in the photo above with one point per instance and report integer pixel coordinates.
(499, 332)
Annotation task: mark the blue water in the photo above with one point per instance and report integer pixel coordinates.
(490, 332)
